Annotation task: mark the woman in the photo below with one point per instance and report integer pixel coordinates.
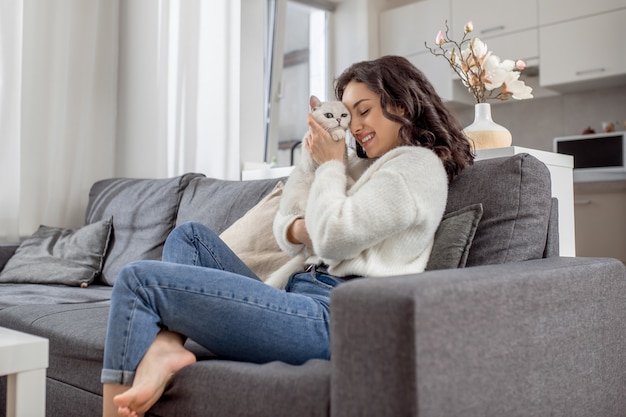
(409, 146)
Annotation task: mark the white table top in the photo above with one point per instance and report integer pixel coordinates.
(20, 352)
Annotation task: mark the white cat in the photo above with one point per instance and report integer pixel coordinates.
(335, 118)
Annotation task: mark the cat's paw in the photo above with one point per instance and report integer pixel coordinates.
(338, 135)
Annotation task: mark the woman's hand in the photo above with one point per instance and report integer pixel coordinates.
(298, 234)
(320, 144)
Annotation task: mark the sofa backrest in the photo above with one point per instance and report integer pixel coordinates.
(517, 208)
(144, 212)
(515, 193)
(218, 203)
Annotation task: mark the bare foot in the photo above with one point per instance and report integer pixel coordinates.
(164, 357)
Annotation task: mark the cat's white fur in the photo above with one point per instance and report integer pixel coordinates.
(335, 118)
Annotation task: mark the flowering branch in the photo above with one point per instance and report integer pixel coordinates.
(480, 71)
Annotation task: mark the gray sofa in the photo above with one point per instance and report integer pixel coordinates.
(518, 331)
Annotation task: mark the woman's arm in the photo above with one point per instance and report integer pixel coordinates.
(297, 233)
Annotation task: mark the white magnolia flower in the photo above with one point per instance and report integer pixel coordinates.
(439, 40)
(485, 75)
(494, 72)
(518, 90)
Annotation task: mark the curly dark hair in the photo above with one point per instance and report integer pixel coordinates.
(426, 121)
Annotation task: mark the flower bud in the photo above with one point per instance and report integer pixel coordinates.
(520, 65)
(469, 26)
(439, 40)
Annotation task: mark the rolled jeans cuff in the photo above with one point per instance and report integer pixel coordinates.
(110, 376)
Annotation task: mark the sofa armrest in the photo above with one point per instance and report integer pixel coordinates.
(543, 336)
(6, 251)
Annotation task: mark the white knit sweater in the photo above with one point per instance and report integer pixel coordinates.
(384, 224)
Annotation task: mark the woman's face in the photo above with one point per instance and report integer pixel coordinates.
(374, 132)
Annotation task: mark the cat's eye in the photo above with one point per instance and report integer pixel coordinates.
(344, 114)
(329, 115)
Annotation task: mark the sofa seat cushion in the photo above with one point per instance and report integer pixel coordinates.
(209, 387)
(76, 334)
(516, 196)
(144, 213)
(37, 294)
(219, 388)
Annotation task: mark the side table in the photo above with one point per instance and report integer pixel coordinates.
(24, 359)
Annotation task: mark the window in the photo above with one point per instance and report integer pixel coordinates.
(297, 66)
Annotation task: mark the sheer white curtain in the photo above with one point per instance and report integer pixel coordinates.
(58, 90)
(101, 88)
(198, 61)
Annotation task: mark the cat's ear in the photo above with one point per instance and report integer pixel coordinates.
(314, 102)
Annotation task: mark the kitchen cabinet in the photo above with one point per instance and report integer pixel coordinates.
(553, 11)
(511, 35)
(576, 46)
(600, 209)
(522, 45)
(405, 29)
(582, 50)
(489, 19)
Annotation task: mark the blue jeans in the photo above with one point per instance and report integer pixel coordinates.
(203, 291)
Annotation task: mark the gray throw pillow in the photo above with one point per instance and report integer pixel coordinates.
(454, 237)
(54, 255)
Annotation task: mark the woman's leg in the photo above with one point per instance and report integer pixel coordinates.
(164, 358)
(195, 244)
(233, 316)
(191, 244)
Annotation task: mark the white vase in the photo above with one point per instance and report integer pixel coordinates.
(484, 133)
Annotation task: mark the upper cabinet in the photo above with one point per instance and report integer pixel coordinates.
(511, 35)
(554, 11)
(589, 50)
(576, 45)
(404, 31)
(489, 19)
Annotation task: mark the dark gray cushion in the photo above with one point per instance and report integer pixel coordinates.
(54, 255)
(220, 388)
(144, 213)
(219, 203)
(454, 237)
(516, 196)
(76, 333)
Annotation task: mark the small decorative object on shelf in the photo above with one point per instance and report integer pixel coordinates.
(608, 127)
(486, 78)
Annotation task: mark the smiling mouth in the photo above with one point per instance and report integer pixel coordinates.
(367, 138)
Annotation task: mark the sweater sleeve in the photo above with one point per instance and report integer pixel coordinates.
(280, 227)
(389, 197)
